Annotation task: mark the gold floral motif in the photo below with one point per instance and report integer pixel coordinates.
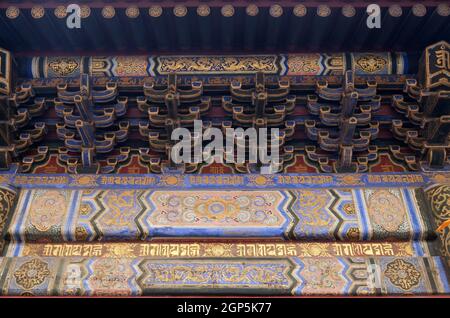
(371, 63)
(85, 209)
(440, 202)
(419, 10)
(323, 11)
(37, 12)
(12, 12)
(402, 274)
(252, 10)
(395, 10)
(108, 12)
(6, 203)
(216, 250)
(304, 64)
(60, 12)
(155, 11)
(203, 10)
(131, 66)
(300, 10)
(276, 11)
(353, 234)
(32, 273)
(267, 274)
(85, 180)
(180, 11)
(443, 9)
(47, 209)
(315, 250)
(227, 10)
(349, 208)
(63, 66)
(120, 250)
(348, 11)
(386, 209)
(132, 12)
(85, 11)
(81, 234)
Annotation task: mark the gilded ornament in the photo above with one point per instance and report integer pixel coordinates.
(85, 12)
(180, 11)
(323, 11)
(252, 10)
(386, 209)
(81, 234)
(402, 274)
(348, 11)
(63, 66)
(395, 11)
(48, 209)
(155, 11)
(203, 10)
(218, 250)
(37, 12)
(227, 10)
(32, 273)
(443, 10)
(12, 12)
(276, 10)
(371, 63)
(132, 12)
(300, 10)
(108, 12)
(349, 209)
(440, 202)
(354, 234)
(60, 12)
(419, 10)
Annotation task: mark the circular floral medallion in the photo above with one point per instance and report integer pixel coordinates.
(323, 11)
(300, 10)
(155, 11)
(276, 11)
(85, 12)
(203, 10)
(227, 10)
(37, 12)
(348, 11)
(108, 12)
(180, 11)
(32, 273)
(395, 11)
(419, 10)
(443, 9)
(47, 210)
(12, 12)
(402, 274)
(60, 12)
(252, 10)
(132, 12)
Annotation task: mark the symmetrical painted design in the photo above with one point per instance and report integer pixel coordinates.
(127, 214)
(291, 65)
(274, 276)
(7, 198)
(439, 197)
(222, 181)
(205, 250)
(5, 72)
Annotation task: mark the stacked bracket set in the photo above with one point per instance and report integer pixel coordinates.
(358, 202)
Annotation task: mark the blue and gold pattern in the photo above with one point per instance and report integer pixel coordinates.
(291, 65)
(275, 276)
(125, 214)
